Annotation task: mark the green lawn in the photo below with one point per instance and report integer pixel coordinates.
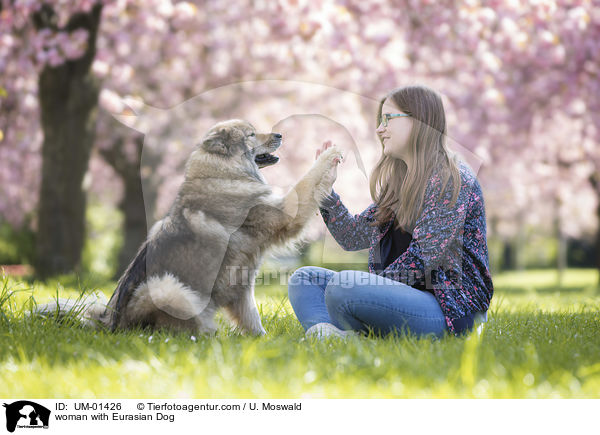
(539, 342)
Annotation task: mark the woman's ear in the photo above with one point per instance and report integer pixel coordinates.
(215, 144)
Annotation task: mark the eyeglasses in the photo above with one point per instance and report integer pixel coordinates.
(387, 116)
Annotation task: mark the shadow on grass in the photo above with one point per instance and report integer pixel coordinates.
(542, 290)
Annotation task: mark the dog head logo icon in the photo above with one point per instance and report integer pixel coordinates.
(26, 414)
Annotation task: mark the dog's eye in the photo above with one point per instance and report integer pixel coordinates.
(252, 134)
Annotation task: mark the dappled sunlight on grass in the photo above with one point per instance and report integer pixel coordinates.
(537, 343)
(546, 279)
(538, 290)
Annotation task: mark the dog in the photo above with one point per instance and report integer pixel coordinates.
(205, 253)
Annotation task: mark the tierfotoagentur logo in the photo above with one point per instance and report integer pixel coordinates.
(26, 415)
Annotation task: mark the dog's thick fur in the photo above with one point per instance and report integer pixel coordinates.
(205, 253)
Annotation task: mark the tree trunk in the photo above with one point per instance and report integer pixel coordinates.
(520, 243)
(598, 240)
(68, 96)
(493, 255)
(561, 243)
(134, 204)
(513, 257)
(595, 182)
(508, 257)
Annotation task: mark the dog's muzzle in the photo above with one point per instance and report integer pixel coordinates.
(267, 159)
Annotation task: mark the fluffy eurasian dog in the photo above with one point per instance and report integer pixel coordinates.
(205, 253)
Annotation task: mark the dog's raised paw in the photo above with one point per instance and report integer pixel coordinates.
(329, 158)
(331, 154)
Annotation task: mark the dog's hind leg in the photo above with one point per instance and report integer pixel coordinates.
(203, 323)
(165, 301)
(245, 313)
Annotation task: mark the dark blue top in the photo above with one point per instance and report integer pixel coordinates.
(392, 245)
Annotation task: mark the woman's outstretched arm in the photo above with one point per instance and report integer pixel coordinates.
(352, 232)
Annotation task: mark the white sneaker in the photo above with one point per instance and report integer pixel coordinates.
(323, 330)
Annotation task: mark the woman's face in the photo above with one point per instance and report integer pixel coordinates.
(395, 135)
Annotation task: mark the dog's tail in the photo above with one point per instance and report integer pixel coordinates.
(89, 309)
(94, 309)
(134, 275)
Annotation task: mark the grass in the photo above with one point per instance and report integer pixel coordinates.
(539, 342)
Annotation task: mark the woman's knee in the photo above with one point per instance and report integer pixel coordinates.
(297, 275)
(305, 272)
(294, 283)
(347, 281)
(306, 276)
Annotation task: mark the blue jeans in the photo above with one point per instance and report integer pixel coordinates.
(358, 300)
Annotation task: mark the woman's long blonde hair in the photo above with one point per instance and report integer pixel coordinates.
(397, 190)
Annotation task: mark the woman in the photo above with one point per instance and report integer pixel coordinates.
(428, 258)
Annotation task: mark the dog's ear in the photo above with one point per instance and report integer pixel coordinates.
(215, 143)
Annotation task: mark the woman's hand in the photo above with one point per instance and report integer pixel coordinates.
(330, 176)
(325, 145)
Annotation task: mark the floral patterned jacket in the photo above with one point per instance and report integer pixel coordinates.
(448, 252)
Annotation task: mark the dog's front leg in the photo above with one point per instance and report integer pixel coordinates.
(307, 194)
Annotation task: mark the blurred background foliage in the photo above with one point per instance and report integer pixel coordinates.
(78, 189)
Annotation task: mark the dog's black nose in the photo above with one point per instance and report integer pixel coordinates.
(277, 136)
